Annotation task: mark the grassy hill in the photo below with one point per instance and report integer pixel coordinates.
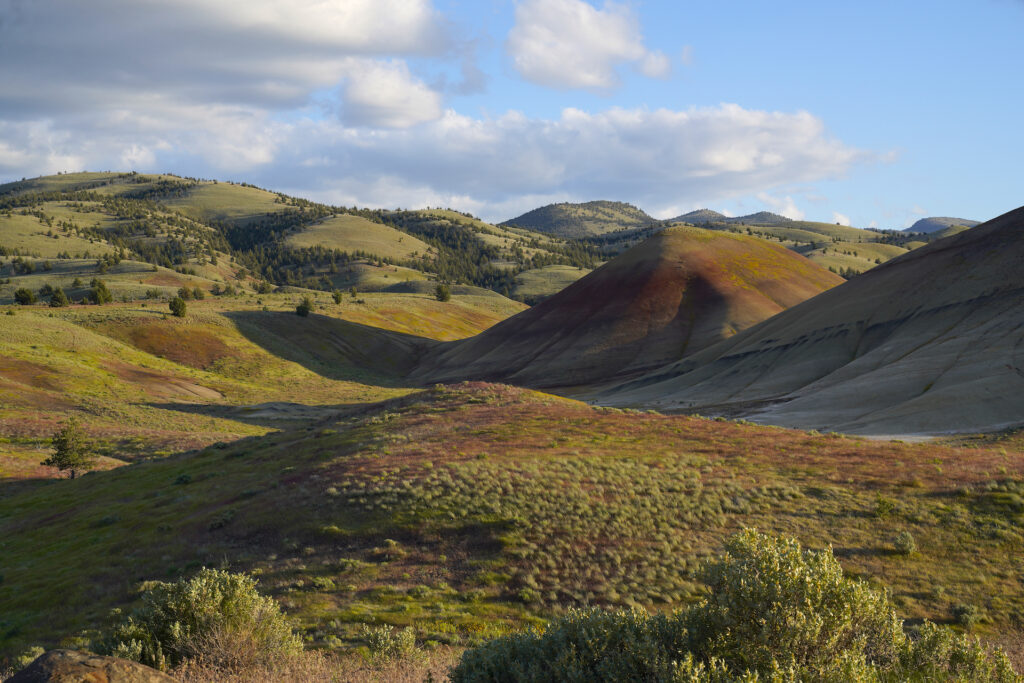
(241, 235)
(680, 291)
(582, 220)
(468, 510)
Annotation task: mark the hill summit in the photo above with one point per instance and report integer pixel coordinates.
(939, 223)
(582, 220)
(678, 292)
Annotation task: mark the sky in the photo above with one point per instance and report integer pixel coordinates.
(867, 113)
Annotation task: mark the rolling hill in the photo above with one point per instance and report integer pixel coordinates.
(680, 291)
(927, 343)
(940, 223)
(582, 220)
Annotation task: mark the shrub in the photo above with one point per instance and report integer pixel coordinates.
(336, 295)
(177, 306)
(58, 299)
(99, 294)
(185, 293)
(385, 642)
(905, 544)
(305, 306)
(776, 612)
(442, 293)
(198, 294)
(24, 296)
(216, 617)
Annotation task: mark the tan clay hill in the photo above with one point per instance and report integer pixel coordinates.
(931, 342)
(682, 290)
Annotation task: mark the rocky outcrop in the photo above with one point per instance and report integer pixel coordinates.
(70, 666)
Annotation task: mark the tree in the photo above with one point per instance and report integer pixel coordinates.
(198, 294)
(185, 293)
(70, 449)
(442, 292)
(352, 292)
(336, 295)
(24, 296)
(99, 294)
(305, 306)
(59, 298)
(177, 306)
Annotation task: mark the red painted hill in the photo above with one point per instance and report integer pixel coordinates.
(680, 291)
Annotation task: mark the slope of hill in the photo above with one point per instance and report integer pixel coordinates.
(238, 234)
(682, 290)
(469, 510)
(939, 223)
(581, 220)
(929, 342)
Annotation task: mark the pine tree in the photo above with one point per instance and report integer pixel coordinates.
(70, 449)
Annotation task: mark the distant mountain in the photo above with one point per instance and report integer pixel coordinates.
(703, 216)
(927, 343)
(699, 217)
(937, 223)
(678, 292)
(582, 220)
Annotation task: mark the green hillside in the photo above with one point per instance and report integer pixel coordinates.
(582, 220)
(464, 511)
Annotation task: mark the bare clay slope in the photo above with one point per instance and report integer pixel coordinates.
(680, 291)
(929, 343)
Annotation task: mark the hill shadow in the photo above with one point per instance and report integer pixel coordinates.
(333, 348)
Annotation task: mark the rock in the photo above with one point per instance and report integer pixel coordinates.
(70, 666)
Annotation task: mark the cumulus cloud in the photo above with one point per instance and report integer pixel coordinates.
(839, 218)
(385, 94)
(571, 44)
(65, 54)
(784, 206)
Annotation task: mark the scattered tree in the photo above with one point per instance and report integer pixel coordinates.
(24, 296)
(198, 294)
(71, 452)
(58, 298)
(185, 293)
(442, 292)
(177, 306)
(336, 295)
(305, 306)
(99, 294)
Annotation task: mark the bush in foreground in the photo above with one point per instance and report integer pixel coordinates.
(775, 613)
(215, 617)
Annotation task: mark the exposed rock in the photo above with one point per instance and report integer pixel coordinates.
(71, 666)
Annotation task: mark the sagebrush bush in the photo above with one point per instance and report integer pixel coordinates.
(775, 613)
(385, 642)
(216, 616)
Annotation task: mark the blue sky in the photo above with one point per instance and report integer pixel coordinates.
(872, 113)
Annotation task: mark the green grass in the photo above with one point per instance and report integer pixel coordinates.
(355, 233)
(533, 285)
(226, 201)
(468, 511)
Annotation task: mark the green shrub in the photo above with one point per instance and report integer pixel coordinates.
(775, 613)
(385, 642)
(216, 616)
(99, 294)
(305, 306)
(442, 292)
(177, 306)
(59, 299)
(905, 544)
(24, 296)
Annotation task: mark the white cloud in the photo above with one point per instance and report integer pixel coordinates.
(63, 55)
(659, 159)
(385, 94)
(840, 218)
(571, 44)
(686, 55)
(784, 206)
(873, 224)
